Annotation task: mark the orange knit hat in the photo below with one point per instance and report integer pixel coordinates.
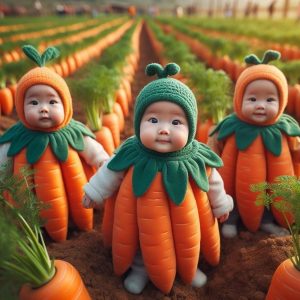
(260, 70)
(43, 75)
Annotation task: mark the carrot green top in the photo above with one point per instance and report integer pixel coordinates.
(176, 167)
(246, 133)
(36, 142)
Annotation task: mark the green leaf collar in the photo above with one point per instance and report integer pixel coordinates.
(175, 166)
(36, 142)
(246, 133)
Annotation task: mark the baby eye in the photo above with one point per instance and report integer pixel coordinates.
(176, 122)
(153, 120)
(53, 101)
(34, 102)
(270, 99)
(252, 99)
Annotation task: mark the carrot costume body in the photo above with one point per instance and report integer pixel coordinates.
(161, 208)
(255, 152)
(55, 153)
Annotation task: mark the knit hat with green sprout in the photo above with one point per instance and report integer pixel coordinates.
(166, 89)
(260, 69)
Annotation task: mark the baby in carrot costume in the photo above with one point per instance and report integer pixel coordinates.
(257, 143)
(61, 150)
(170, 193)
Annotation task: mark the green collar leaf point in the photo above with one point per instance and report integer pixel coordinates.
(36, 142)
(143, 174)
(172, 172)
(246, 133)
(176, 167)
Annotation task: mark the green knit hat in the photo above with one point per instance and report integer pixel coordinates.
(166, 89)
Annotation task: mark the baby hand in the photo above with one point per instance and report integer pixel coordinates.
(223, 218)
(88, 202)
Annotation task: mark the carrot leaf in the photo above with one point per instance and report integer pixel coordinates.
(283, 194)
(25, 257)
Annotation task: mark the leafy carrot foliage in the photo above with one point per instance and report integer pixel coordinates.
(287, 189)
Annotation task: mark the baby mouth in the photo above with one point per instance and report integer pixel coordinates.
(163, 141)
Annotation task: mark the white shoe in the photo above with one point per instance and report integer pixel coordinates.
(135, 282)
(272, 228)
(229, 231)
(199, 279)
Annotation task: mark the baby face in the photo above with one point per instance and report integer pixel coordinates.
(260, 101)
(43, 107)
(164, 127)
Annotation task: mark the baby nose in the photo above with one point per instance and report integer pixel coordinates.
(163, 131)
(260, 105)
(44, 109)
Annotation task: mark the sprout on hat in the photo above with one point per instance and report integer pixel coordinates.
(269, 55)
(49, 54)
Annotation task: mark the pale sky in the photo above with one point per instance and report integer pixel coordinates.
(241, 3)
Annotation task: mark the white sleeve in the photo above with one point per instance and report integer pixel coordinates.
(103, 183)
(220, 202)
(3, 154)
(93, 153)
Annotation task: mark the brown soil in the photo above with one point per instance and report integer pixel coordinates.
(247, 261)
(247, 264)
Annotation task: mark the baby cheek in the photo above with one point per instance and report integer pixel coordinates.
(180, 139)
(30, 114)
(58, 115)
(146, 136)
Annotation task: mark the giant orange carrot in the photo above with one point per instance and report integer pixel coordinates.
(203, 130)
(74, 179)
(210, 236)
(118, 110)
(121, 98)
(50, 189)
(125, 230)
(186, 235)
(108, 221)
(28, 262)
(277, 166)
(105, 138)
(229, 158)
(66, 284)
(88, 170)
(111, 121)
(20, 162)
(294, 145)
(285, 283)
(252, 156)
(6, 101)
(156, 238)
